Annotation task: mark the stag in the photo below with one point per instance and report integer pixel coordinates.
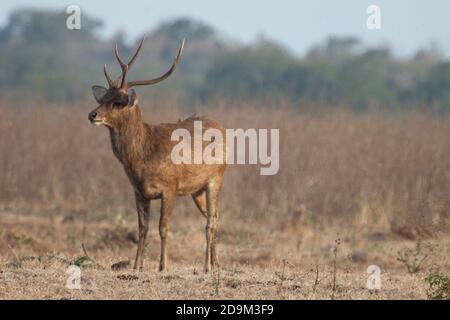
(144, 151)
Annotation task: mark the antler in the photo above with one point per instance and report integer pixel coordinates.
(108, 78)
(164, 76)
(126, 66)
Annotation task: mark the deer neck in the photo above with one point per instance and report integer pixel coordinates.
(128, 137)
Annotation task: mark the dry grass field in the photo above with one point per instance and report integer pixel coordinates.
(353, 190)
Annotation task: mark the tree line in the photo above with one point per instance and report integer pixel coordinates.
(40, 56)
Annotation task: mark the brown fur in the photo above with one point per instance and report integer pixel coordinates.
(144, 151)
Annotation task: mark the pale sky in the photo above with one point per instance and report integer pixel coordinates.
(405, 25)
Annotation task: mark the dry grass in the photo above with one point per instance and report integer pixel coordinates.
(379, 183)
(181, 282)
(253, 265)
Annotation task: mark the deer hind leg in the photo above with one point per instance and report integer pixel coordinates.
(143, 210)
(167, 201)
(212, 195)
(200, 200)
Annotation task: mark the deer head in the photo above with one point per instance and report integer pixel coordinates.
(119, 99)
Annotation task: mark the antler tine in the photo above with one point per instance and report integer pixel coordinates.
(136, 53)
(180, 51)
(126, 66)
(108, 77)
(123, 66)
(164, 76)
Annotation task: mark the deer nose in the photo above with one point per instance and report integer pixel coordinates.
(92, 116)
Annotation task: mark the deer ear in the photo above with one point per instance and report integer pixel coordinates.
(99, 92)
(132, 98)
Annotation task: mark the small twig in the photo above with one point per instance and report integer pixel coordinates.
(217, 282)
(16, 257)
(337, 242)
(281, 277)
(84, 250)
(316, 280)
(87, 256)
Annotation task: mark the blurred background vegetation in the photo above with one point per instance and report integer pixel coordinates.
(38, 57)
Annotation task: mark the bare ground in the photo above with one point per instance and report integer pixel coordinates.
(183, 281)
(280, 264)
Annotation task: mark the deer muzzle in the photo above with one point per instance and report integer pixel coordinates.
(92, 116)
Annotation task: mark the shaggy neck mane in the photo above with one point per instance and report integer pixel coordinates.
(128, 137)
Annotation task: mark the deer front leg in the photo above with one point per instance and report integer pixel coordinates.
(167, 201)
(211, 226)
(214, 257)
(143, 210)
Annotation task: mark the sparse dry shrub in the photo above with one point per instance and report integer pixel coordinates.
(439, 286)
(372, 170)
(414, 259)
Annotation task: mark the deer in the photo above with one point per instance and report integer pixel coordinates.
(144, 151)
